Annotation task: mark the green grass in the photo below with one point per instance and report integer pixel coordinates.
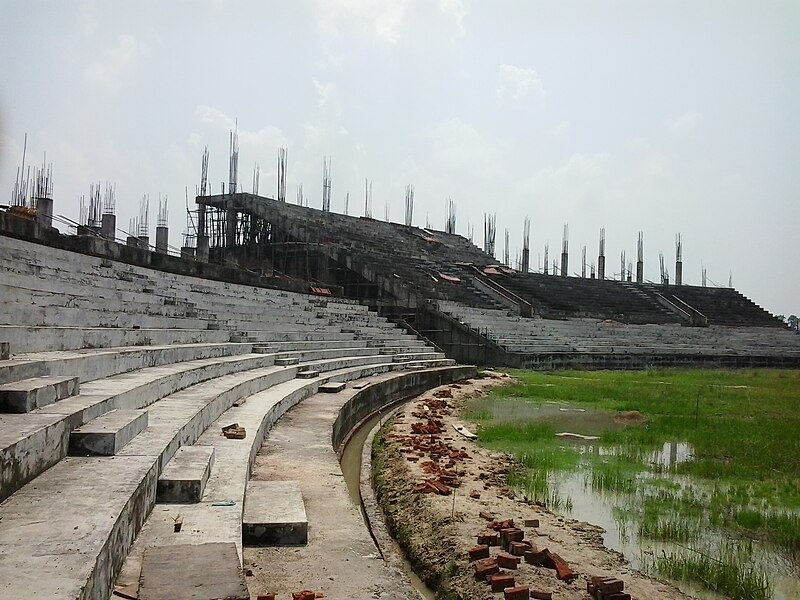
(739, 484)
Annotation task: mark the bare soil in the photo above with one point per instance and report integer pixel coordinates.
(436, 530)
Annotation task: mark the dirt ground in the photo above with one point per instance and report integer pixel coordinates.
(437, 530)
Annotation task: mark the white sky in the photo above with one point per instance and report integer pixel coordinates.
(657, 116)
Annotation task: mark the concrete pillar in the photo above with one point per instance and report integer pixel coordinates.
(601, 267)
(132, 241)
(230, 225)
(526, 257)
(144, 241)
(187, 251)
(108, 227)
(44, 212)
(162, 239)
(639, 271)
(679, 272)
(202, 248)
(564, 264)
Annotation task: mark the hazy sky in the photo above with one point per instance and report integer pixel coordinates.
(663, 117)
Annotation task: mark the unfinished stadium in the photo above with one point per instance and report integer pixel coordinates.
(137, 385)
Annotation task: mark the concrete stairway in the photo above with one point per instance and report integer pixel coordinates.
(114, 381)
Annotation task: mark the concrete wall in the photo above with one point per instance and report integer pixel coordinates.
(377, 395)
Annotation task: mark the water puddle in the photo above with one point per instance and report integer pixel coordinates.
(651, 514)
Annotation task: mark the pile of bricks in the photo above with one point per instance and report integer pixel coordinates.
(303, 595)
(503, 534)
(601, 587)
(426, 442)
(234, 432)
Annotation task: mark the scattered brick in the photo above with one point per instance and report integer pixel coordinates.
(531, 522)
(489, 538)
(504, 561)
(511, 534)
(501, 581)
(535, 557)
(521, 592)
(304, 595)
(485, 567)
(563, 571)
(477, 552)
(475, 494)
(498, 525)
(234, 432)
(486, 516)
(540, 595)
(267, 596)
(519, 548)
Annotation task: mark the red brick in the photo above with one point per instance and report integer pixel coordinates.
(485, 567)
(535, 557)
(540, 595)
(519, 548)
(516, 593)
(477, 552)
(511, 534)
(500, 582)
(610, 585)
(617, 596)
(531, 522)
(489, 538)
(505, 561)
(267, 596)
(304, 595)
(498, 525)
(563, 572)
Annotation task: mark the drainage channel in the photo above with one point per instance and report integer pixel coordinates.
(350, 459)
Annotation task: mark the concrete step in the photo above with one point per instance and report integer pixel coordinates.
(28, 394)
(274, 514)
(285, 362)
(333, 387)
(417, 356)
(307, 374)
(107, 435)
(215, 573)
(186, 474)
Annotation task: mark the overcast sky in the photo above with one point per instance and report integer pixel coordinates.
(662, 117)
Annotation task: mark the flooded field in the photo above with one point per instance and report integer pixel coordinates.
(693, 475)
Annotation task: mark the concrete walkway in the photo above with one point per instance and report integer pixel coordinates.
(340, 559)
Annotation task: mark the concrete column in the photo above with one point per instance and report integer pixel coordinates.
(44, 212)
(202, 248)
(144, 241)
(108, 227)
(679, 272)
(601, 267)
(564, 264)
(526, 257)
(639, 272)
(187, 251)
(132, 241)
(162, 239)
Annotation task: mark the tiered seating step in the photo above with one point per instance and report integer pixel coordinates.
(274, 514)
(108, 434)
(28, 394)
(332, 387)
(185, 476)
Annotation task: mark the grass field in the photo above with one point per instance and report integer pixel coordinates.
(740, 478)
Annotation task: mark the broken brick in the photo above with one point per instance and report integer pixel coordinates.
(521, 592)
(267, 596)
(304, 595)
(485, 567)
(505, 561)
(563, 571)
(540, 595)
(519, 548)
(535, 557)
(477, 552)
(501, 581)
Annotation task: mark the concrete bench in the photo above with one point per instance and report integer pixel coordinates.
(274, 514)
(186, 474)
(28, 394)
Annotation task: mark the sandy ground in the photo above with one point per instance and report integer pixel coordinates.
(480, 476)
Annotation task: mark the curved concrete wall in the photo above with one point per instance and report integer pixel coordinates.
(379, 394)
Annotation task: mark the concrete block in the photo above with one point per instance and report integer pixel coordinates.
(108, 434)
(185, 476)
(192, 572)
(28, 394)
(274, 514)
(5, 350)
(285, 362)
(307, 374)
(332, 387)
